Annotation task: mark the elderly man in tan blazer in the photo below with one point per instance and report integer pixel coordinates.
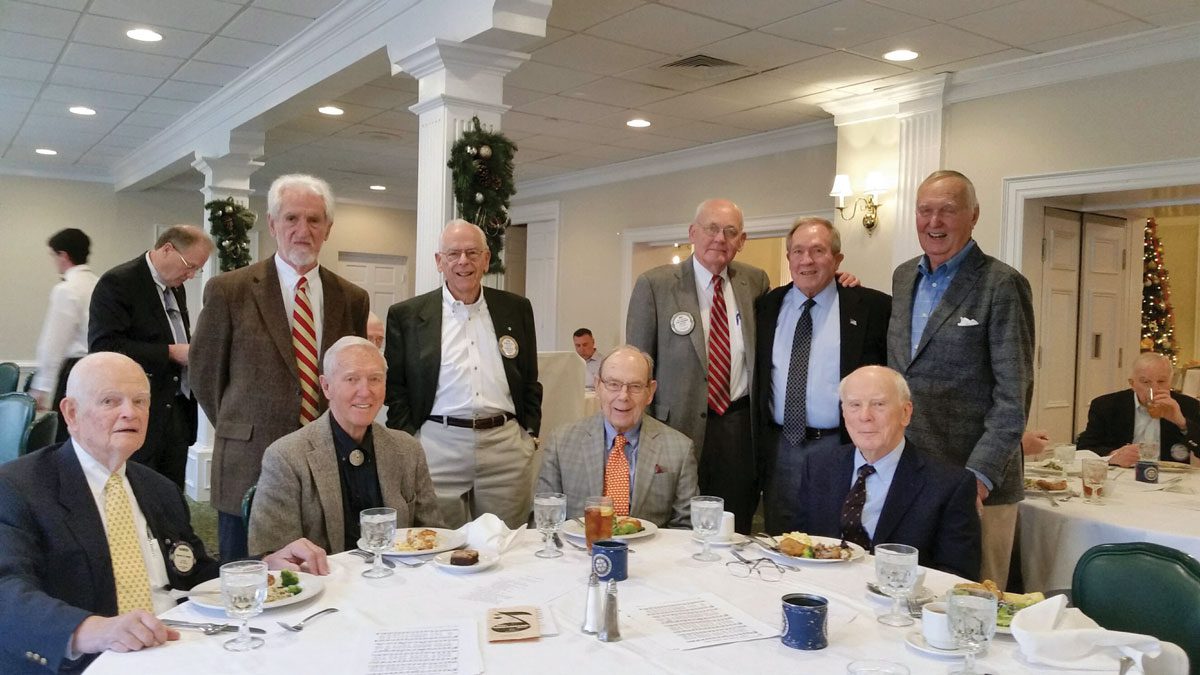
(316, 480)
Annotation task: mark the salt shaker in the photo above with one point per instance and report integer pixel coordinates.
(593, 612)
(611, 630)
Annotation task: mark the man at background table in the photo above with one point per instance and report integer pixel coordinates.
(585, 347)
(1120, 421)
(647, 468)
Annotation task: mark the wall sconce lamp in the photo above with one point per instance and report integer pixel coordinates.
(876, 186)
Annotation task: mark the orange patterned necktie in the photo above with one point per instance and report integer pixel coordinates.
(616, 477)
(304, 343)
(129, 568)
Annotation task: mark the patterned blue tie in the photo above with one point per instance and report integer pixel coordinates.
(795, 407)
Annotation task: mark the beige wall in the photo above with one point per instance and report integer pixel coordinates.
(1180, 239)
(863, 148)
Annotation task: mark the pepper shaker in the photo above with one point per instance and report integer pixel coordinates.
(611, 630)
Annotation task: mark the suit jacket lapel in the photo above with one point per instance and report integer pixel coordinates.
(86, 526)
(901, 321)
(429, 329)
(335, 310)
(500, 311)
(323, 464)
(269, 300)
(687, 300)
(593, 462)
(647, 460)
(853, 330)
(745, 305)
(907, 483)
(388, 467)
(960, 289)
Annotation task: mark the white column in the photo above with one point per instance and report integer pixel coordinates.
(457, 82)
(920, 155)
(225, 176)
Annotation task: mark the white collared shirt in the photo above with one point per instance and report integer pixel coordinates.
(739, 375)
(1146, 429)
(288, 278)
(471, 378)
(156, 568)
(65, 329)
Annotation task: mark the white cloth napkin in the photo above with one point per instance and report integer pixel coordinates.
(488, 534)
(1051, 634)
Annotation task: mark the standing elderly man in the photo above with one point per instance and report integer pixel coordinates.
(962, 335)
(811, 333)
(695, 319)
(648, 468)
(92, 546)
(882, 488)
(259, 339)
(315, 481)
(139, 309)
(463, 377)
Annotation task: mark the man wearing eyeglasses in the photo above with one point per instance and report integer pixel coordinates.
(463, 378)
(139, 309)
(647, 468)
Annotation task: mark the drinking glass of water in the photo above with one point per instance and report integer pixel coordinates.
(377, 529)
(706, 522)
(549, 512)
(243, 591)
(896, 573)
(972, 615)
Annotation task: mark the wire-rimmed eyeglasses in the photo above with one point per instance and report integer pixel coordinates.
(765, 568)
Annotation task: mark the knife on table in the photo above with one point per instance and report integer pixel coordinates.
(225, 628)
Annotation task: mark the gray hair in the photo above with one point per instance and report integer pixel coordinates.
(972, 202)
(707, 203)
(304, 183)
(1148, 359)
(896, 379)
(630, 348)
(349, 342)
(835, 237)
(183, 237)
(459, 222)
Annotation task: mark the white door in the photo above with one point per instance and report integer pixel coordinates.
(1102, 360)
(383, 277)
(1058, 310)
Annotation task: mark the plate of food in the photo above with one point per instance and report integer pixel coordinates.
(1174, 467)
(798, 547)
(284, 587)
(1007, 604)
(464, 561)
(425, 540)
(624, 528)
(1052, 467)
(1052, 486)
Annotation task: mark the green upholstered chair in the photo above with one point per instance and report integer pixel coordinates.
(16, 414)
(247, 502)
(41, 432)
(10, 375)
(1142, 588)
(29, 381)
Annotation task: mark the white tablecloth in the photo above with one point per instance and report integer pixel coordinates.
(660, 568)
(1054, 538)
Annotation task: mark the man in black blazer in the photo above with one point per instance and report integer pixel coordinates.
(910, 497)
(139, 309)
(463, 377)
(57, 582)
(848, 330)
(1119, 421)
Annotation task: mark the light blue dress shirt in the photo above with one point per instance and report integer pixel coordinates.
(631, 449)
(824, 357)
(878, 485)
(931, 286)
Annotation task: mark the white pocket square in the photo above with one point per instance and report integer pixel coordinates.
(964, 321)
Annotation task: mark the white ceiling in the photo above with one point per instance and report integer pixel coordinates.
(598, 66)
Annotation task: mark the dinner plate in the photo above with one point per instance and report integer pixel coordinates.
(917, 642)
(1003, 630)
(573, 529)
(731, 541)
(1035, 492)
(310, 587)
(442, 562)
(447, 540)
(856, 552)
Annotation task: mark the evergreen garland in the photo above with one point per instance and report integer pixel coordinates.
(481, 164)
(231, 223)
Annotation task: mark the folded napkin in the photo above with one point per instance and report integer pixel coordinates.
(1051, 634)
(488, 534)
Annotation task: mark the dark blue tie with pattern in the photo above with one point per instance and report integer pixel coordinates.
(795, 406)
(852, 527)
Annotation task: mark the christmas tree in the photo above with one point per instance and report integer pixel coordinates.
(1158, 318)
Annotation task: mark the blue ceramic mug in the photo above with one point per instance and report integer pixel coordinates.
(804, 621)
(610, 559)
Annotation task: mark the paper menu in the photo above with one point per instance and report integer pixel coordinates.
(444, 649)
(701, 621)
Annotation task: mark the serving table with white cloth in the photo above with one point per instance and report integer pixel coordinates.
(661, 568)
(1053, 538)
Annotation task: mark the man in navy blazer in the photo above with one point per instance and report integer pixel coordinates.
(911, 497)
(57, 585)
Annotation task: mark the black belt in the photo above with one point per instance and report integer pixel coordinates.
(741, 403)
(811, 434)
(477, 423)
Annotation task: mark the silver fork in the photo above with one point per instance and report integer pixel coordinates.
(206, 628)
(296, 628)
(413, 563)
(1049, 496)
(369, 557)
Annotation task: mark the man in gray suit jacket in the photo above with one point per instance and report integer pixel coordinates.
(962, 335)
(658, 461)
(317, 480)
(705, 366)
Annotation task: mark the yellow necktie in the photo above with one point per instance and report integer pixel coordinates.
(129, 568)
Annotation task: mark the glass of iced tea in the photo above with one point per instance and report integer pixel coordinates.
(597, 519)
(1154, 409)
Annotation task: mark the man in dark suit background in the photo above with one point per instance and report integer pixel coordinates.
(1120, 421)
(139, 309)
(882, 488)
(74, 582)
(463, 377)
(258, 341)
(801, 356)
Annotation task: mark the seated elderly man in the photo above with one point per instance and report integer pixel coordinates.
(645, 466)
(882, 489)
(91, 544)
(1147, 412)
(315, 481)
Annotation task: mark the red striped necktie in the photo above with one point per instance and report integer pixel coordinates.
(304, 343)
(718, 351)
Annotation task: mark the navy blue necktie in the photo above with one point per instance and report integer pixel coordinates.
(795, 406)
(852, 527)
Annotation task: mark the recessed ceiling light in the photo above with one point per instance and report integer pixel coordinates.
(82, 110)
(379, 188)
(901, 55)
(638, 123)
(143, 35)
(331, 110)
(46, 151)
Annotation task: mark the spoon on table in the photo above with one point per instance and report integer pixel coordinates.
(296, 628)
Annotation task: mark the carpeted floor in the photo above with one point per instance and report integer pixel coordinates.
(204, 522)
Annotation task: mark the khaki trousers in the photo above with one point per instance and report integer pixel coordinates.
(999, 524)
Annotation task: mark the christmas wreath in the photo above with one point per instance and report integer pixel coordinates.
(481, 164)
(231, 223)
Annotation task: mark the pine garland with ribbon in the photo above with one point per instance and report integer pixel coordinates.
(481, 164)
(231, 223)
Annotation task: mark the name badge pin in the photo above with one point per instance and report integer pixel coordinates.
(682, 323)
(357, 457)
(508, 347)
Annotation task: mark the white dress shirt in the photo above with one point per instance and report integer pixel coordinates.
(591, 370)
(739, 375)
(288, 278)
(64, 331)
(471, 378)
